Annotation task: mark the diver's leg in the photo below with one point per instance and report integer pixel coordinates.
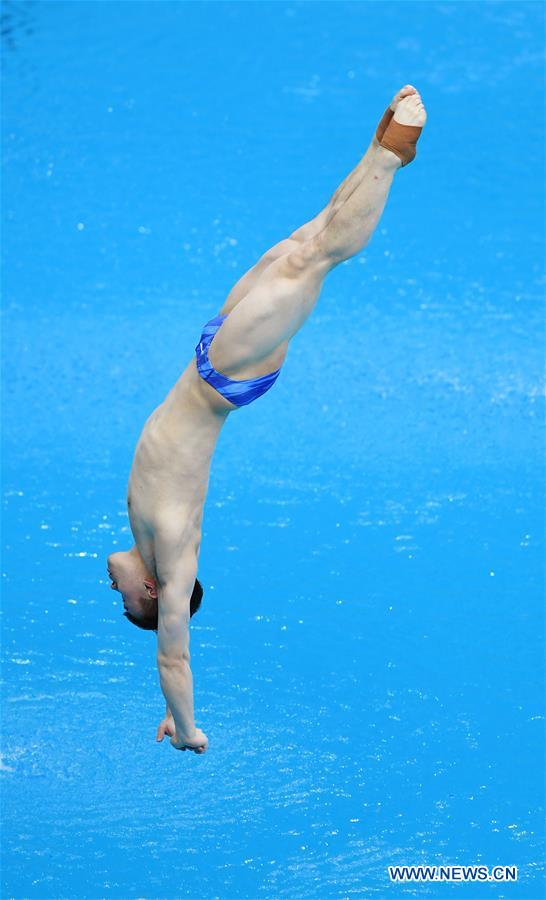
(346, 188)
(351, 226)
(314, 226)
(249, 280)
(286, 293)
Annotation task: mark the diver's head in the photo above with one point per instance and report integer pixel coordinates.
(138, 589)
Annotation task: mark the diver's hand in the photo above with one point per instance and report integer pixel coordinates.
(198, 743)
(167, 726)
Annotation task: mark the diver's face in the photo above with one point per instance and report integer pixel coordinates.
(126, 578)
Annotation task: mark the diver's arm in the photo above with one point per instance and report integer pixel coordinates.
(176, 554)
(173, 655)
(177, 685)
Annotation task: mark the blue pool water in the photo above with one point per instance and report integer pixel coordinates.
(369, 656)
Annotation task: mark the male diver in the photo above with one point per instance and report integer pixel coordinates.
(238, 358)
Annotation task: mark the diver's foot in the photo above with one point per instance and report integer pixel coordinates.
(411, 111)
(403, 131)
(406, 91)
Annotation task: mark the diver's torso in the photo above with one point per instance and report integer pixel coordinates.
(171, 465)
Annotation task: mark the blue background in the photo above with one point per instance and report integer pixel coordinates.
(368, 659)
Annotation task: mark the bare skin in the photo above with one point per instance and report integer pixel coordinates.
(170, 472)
